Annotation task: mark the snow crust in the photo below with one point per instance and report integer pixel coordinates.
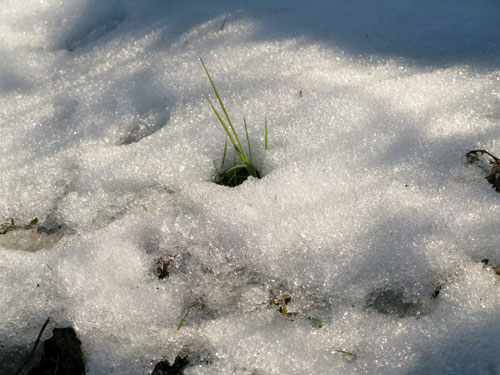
(365, 210)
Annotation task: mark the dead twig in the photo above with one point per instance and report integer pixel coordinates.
(494, 173)
(13, 226)
(223, 24)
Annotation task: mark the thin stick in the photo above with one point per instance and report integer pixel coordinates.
(223, 24)
(34, 347)
(482, 152)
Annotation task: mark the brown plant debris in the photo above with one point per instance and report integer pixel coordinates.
(488, 162)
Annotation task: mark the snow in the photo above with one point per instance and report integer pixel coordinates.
(365, 208)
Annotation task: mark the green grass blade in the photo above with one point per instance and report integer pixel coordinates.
(248, 141)
(182, 321)
(315, 319)
(235, 168)
(252, 170)
(343, 352)
(242, 156)
(224, 156)
(216, 169)
(230, 181)
(225, 112)
(266, 134)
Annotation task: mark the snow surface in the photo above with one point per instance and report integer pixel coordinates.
(364, 211)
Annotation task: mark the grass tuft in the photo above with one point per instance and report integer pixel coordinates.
(235, 175)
